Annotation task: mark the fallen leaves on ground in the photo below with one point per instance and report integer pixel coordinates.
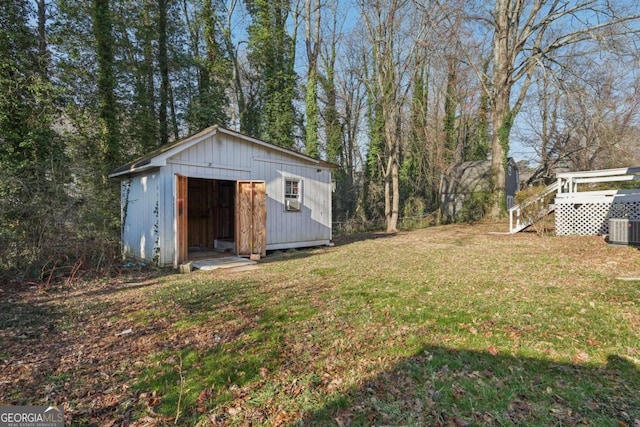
(87, 345)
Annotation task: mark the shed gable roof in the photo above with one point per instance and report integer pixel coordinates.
(158, 158)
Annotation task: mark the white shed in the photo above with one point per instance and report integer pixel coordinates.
(219, 189)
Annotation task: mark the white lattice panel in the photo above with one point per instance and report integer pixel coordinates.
(592, 218)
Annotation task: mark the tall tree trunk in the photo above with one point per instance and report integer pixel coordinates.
(506, 22)
(163, 65)
(392, 221)
(242, 113)
(312, 42)
(333, 134)
(382, 26)
(148, 89)
(102, 29)
(272, 56)
(452, 154)
(311, 102)
(392, 175)
(43, 52)
(137, 38)
(502, 123)
(174, 116)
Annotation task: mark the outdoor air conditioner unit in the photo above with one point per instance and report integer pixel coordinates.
(624, 231)
(292, 205)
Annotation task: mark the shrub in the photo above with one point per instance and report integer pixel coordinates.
(474, 207)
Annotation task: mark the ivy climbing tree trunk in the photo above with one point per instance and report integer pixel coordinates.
(453, 152)
(208, 106)
(501, 122)
(272, 55)
(109, 150)
(312, 43)
(384, 21)
(43, 52)
(163, 65)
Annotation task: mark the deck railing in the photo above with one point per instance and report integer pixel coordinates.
(568, 181)
(518, 222)
(569, 188)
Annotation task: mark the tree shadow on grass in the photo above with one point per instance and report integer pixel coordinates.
(342, 240)
(126, 286)
(346, 239)
(446, 387)
(24, 319)
(25, 325)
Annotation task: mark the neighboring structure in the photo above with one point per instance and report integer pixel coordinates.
(219, 189)
(464, 183)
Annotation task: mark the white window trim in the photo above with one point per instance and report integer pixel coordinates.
(299, 196)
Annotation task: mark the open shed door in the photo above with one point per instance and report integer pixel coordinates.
(182, 225)
(251, 218)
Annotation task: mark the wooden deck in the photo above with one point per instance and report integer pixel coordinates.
(579, 209)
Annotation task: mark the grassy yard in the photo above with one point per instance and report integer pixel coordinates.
(445, 326)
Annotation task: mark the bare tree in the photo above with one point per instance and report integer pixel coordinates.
(341, 99)
(542, 130)
(525, 33)
(224, 23)
(588, 122)
(395, 29)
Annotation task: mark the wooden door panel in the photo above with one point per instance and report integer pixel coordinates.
(243, 216)
(182, 224)
(259, 218)
(251, 217)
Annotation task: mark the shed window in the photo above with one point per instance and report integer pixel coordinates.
(292, 194)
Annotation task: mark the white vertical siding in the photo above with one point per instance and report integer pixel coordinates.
(167, 219)
(140, 216)
(313, 222)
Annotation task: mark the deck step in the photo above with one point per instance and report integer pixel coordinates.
(516, 226)
(521, 227)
